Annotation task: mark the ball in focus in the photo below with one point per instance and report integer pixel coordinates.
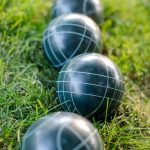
(91, 8)
(62, 131)
(90, 85)
(68, 36)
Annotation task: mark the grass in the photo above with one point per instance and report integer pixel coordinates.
(26, 90)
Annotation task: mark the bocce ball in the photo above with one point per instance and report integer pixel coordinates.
(62, 131)
(91, 8)
(68, 36)
(90, 85)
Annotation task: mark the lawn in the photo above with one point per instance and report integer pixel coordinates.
(27, 90)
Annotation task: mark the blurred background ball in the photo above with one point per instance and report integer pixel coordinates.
(90, 83)
(68, 36)
(62, 131)
(91, 8)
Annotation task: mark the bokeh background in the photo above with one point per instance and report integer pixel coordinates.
(27, 82)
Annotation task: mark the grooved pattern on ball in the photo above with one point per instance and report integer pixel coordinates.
(62, 131)
(91, 8)
(88, 84)
(68, 36)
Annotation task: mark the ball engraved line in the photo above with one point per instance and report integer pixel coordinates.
(64, 89)
(69, 24)
(59, 94)
(63, 84)
(71, 82)
(66, 32)
(74, 69)
(92, 85)
(49, 43)
(121, 91)
(87, 12)
(59, 134)
(88, 95)
(71, 32)
(84, 6)
(107, 87)
(89, 73)
(112, 98)
(36, 129)
(59, 49)
(92, 113)
(85, 141)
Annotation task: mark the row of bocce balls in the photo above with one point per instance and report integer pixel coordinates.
(89, 84)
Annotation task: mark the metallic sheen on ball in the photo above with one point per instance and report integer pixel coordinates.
(91, 8)
(68, 36)
(90, 85)
(62, 131)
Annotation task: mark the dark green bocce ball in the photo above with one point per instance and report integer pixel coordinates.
(91, 8)
(62, 131)
(68, 36)
(89, 84)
